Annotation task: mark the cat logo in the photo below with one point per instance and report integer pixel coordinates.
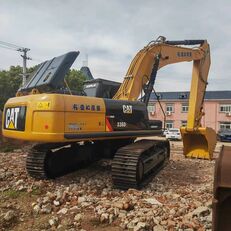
(127, 109)
(11, 119)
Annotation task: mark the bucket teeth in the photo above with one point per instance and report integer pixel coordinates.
(200, 143)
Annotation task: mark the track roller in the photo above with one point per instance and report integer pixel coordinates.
(134, 165)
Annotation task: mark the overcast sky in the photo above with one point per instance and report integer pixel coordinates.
(111, 32)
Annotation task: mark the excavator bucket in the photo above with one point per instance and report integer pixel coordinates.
(222, 191)
(200, 143)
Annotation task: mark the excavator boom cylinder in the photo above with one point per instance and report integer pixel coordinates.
(185, 42)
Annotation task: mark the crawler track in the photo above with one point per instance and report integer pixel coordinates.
(36, 163)
(46, 163)
(134, 165)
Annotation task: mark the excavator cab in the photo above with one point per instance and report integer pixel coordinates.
(199, 143)
(100, 88)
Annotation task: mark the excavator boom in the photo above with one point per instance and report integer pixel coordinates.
(142, 66)
(198, 142)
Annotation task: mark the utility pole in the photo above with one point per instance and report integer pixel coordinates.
(24, 56)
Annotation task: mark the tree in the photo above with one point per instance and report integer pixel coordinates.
(75, 80)
(10, 81)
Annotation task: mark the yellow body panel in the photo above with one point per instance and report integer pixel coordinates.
(49, 116)
(80, 121)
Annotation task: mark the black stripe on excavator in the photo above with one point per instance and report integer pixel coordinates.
(186, 42)
(113, 134)
(132, 115)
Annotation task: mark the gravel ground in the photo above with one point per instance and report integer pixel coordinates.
(178, 198)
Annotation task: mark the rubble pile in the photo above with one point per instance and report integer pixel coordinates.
(178, 198)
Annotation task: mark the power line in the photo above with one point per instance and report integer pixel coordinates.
(10, 48)
(24, 51)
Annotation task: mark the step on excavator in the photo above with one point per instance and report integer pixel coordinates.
(71, 131)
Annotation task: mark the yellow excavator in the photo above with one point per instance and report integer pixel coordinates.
(71, 130)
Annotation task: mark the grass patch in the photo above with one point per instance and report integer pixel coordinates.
(36, 191)
(7, 148)
(13, 194)
(95, 221)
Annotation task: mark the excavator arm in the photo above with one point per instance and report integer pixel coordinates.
(155, 56)
(198, 142)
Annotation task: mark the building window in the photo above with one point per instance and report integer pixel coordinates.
(169, 107)
(169, 124)
(225, 125)
(183, 123)
(225, 107)
(184, 107)
(151, 108)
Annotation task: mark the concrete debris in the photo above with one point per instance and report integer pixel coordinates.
(201, 211)
(178, 198)
(53, 221)
(78, 217)
(10, 215)
(152, 201)
(62, 211)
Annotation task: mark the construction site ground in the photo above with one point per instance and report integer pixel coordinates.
(178, 198)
